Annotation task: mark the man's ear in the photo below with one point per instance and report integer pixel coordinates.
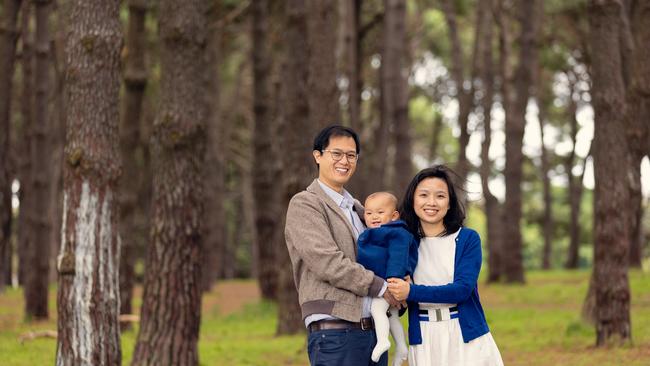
(317, 156)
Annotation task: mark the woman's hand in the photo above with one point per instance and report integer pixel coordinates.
(399, 288)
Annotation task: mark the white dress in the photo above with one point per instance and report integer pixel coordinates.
(442, 341)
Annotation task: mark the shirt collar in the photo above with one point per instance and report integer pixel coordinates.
(344, 200)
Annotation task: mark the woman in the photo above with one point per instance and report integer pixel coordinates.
(447, 325)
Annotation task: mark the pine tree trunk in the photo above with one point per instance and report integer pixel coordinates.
(8, 37)
(353, 60)
(611, 232)
(214, 230)
(264, 156)
(638, 120)
(57, 134)
(297, 162)
(515, 124)
(323, 93)
(88, 292)
(171, 305)
(25, 138)
(373, 168)
(640, 16)
(435, 137)
(463, 95)
(636, 207)
(395, 91)
(575, 193)
(492, 206)
(131, 183)
(575, 200)
(352, 45)
(37, 213)
(543, 100)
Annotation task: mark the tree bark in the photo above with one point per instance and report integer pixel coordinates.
(23, 158)
(493, 209)
(8, 38)
(264, 156)
(611, 233)
(214, 231)
(638, 119)
(515, 125)
(38, 209)
(464, 93)
(171, 305)
(355, 58)
(350, 21)
(57, 131)
(297, 159)
(575, 190)
(323, 93)
(544, 98)
(132, 180)
(435, 136)
(88, 292)
(372, 170)
(395, 91)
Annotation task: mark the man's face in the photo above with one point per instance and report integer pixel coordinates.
(335, 174)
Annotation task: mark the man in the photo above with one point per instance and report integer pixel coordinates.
(335, 292)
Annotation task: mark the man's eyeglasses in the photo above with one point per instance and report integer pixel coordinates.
(338, 155)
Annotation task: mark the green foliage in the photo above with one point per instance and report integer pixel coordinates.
(435, 32)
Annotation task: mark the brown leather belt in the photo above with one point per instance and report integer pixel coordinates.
(364, 324)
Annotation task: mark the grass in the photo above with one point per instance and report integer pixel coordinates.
(534, 324)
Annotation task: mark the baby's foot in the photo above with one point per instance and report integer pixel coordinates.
(379, 350)
(401, 353)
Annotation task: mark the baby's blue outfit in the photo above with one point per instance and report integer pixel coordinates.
(389, 250)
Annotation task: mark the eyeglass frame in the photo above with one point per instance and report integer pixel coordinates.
(332, 152)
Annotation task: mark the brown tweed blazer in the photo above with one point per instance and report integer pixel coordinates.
(323, 252)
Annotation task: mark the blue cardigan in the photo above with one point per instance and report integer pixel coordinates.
(389, 250)
(463, 291)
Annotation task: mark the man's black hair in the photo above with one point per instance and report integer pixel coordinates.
(322, 140)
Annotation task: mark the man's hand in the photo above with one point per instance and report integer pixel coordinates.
(399, 288)
(391, 300)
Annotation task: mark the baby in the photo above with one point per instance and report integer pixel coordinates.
(389, 250)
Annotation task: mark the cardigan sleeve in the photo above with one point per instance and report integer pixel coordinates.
(465, 278)
(307, 232)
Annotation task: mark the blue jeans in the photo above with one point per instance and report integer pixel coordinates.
(343, 347)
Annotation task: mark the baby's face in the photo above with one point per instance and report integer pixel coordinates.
(379, 210)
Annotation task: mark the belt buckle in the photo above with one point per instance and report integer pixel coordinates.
(438, 315)
(363, 327)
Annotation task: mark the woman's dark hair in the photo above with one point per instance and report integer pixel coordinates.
(322, 140)
(454, 218)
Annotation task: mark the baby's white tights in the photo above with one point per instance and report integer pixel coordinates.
(383, 324)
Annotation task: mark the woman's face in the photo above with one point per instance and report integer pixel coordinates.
(431, 203)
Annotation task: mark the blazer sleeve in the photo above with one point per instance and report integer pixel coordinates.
(307, 232)
(465, 278)
(398, 253)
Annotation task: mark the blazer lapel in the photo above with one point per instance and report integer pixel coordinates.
(316, 188)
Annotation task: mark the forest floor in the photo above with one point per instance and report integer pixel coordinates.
(534, 324)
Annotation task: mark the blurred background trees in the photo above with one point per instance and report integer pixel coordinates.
(508, 92)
